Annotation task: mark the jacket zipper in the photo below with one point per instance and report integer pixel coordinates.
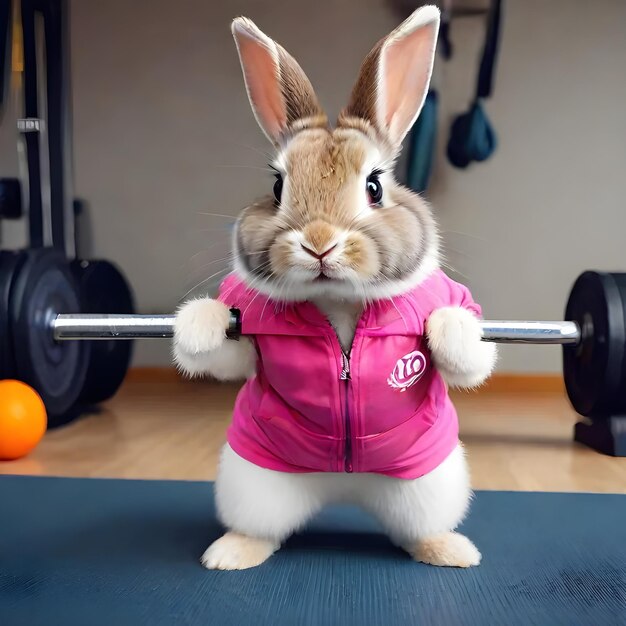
(345, 377)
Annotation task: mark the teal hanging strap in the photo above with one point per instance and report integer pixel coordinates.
(422, 144)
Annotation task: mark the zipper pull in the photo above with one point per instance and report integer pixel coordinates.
(345, 366)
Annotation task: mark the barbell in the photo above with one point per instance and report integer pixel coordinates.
(41, 316)
(593, 338)
(65, 327)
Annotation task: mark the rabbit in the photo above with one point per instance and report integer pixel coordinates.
(353, 333)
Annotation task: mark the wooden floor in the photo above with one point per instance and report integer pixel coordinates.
(171, 429)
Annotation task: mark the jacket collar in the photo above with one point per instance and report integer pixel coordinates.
(261, 315)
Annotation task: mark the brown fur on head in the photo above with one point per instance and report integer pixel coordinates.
(325, 232)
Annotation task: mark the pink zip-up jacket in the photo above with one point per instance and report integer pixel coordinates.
(383, 408)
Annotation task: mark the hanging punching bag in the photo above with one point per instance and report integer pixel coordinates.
(472, 137)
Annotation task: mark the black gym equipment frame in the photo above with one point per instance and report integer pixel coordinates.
(49, 120)
(47, 275)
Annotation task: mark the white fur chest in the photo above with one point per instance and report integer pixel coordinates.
(343, 316)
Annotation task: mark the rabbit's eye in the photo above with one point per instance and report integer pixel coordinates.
(374, 188)
(278, 188)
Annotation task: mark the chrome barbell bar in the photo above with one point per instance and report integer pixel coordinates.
(79, 326)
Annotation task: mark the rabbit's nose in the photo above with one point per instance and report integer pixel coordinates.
(319, 256)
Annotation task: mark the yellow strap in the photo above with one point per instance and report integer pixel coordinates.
(17, 41)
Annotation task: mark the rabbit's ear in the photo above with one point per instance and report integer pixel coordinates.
(394, 78)
(280, 94)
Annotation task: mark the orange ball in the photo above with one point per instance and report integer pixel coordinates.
(23, 419)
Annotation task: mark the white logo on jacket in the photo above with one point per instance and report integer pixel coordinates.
(408, 370)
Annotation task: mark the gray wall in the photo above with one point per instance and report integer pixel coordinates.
(163, 135)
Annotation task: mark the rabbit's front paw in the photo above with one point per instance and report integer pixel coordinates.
(454, 339)
(200, 327)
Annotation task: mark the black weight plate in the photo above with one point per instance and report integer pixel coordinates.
(620, 397)
(103, 289)
(10, 263)
(44, 288)
(594, 371)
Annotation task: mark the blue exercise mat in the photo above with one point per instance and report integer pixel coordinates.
(106, 552)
